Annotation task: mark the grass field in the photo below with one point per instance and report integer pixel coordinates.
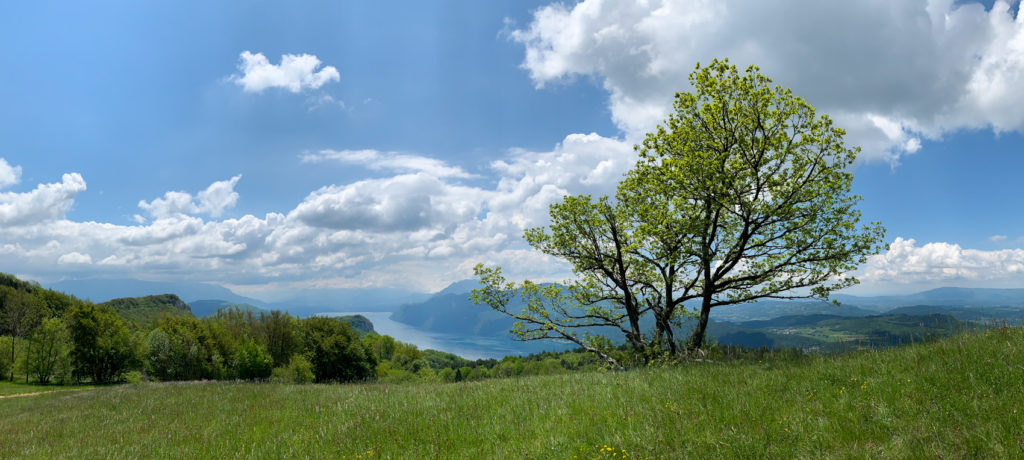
(957, 397)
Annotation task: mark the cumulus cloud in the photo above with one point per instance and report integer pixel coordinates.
(218, 196)
(46, 203)
(214, 200)
(944, 263)
(73, 258)
(891, 74)
(416, 227)
(9, 175)
(295, 73)
(401, 203)
(390, 161)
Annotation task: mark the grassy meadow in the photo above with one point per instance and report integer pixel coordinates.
(961, 396)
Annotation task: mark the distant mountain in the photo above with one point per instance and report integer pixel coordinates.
(450, 311)
(460, 287)
(305, 303)
(143, 311)
(102, 290)
(947, 296)
(204, 308)
(979, 315)
(315, 301)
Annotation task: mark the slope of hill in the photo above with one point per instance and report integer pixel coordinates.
(453, 313)
(143, 311)
(768, 309)
(947, 296)
(979, 315)
(958, 397)
(102, 289)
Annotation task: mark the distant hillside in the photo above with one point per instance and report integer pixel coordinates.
(452, 312)
(839, 333)
(947, 296)
(981, 315)
(204, 308)
(768, 309)
(358, 322)
(143, 311)
(101, 290)
(315, 301)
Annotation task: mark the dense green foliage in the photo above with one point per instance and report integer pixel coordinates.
(51, 337)
(49, 352)
(958, 397)
(103, 348)
(335, 351)
(204, 308)
(142, 312)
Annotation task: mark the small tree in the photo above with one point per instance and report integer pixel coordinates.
(49, 352)
(21, 313)
(743, 194)
(252, 362)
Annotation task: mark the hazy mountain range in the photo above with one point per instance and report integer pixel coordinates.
(210, 295)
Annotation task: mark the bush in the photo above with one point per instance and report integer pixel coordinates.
(335, 351)
(253, 362)
(301, 369)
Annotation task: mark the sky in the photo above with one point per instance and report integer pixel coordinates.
(276, 147)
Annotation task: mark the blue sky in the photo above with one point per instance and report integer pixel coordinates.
(412, 140)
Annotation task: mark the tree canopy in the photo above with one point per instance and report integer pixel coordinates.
(742, 194)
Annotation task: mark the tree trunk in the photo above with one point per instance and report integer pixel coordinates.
(697, 339)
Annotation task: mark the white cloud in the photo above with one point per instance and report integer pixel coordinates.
(74, 258)
(417, 227)
(296, 72)
(997, 238)
(46, 203)
(943, 263)
(401, 203)
(9, 175)
(214, 200)
(219, 196)
(891, 74)
(390, 161)
(171, 204)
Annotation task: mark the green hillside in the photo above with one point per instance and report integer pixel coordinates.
(958, 397)
(143, 311)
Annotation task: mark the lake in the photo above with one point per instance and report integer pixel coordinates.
(469, 347)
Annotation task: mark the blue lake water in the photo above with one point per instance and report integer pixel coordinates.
(469, 347)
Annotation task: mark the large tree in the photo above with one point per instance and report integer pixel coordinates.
(742, 194)
(103, 348)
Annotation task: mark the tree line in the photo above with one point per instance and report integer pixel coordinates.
(48, 337)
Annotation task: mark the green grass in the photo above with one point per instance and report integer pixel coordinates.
(957, 397)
